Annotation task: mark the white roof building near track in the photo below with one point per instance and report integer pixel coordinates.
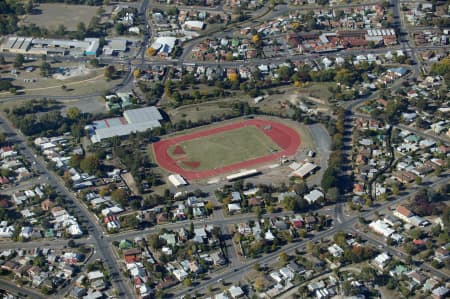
(305, 170)
(243, 174)
(177, 180)
(142, 115)
(134, 120)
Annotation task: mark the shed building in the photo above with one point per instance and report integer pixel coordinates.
(177, 180)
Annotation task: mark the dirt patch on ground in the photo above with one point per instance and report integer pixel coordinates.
(70, 73)
(131, 183)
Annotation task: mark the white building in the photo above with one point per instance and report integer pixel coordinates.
(382, 260)
(335, 250)
(313, 196)
(177, 180)
(180, 274)
(381, 228)
(305, 170)
(236, 292)
(134, 120)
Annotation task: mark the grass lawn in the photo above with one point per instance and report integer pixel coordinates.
(75, 86)
(223, 149)
(199, 112)
(51, 15)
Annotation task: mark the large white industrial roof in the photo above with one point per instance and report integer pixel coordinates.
(118, 44)
(141, 115)
(125, 129)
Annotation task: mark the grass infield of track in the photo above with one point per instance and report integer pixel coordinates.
(225, 148)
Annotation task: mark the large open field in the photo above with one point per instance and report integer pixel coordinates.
(223, 149)
(32, 83)
(51, 15)
(228, 148)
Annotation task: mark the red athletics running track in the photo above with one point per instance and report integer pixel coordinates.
(286, 138)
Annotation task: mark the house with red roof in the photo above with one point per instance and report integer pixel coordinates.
(403, 213)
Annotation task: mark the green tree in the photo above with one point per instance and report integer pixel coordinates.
(61, 30)
(110, 72)
(418, 180)
(187, 282)
(45, 290)
(209, 206)
(329, 178)
(94, 62)
(368, 274)
(289, 203)
(19, 60)
(300, 187)
(71, 243)
(120, 28)
(45, 68)
(345, 76)
(81, 27)
(333, 194)
(283, 257)
(73, 113)
(155, 242)
(90, 164)
(256, 267)
(285, 73)
(5, 85)
(441, 68)
(259, 284)
(29, 7)
(119, 195)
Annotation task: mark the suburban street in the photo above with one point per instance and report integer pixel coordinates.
(238, 270)
(95, 231)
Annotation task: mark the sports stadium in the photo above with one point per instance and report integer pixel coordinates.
(229, 148)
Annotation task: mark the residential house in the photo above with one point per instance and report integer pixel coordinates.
(417, 277)
(403, 213)
(441, 254)
(234, 207)
(313, 196)
(95, 275)
(335, 250)
(382, 260)
(287, 274)
(236, 292)
(380, 227)
(77, 292)
(440, 293)
(170, 238)
(180, 274)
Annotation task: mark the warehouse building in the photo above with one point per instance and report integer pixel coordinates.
(194, 25)
(42, 46)
(115, 46)
(134, 120)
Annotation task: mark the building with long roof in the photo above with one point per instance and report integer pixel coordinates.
(134, 120)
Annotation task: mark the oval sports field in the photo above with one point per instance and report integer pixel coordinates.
(229, 148)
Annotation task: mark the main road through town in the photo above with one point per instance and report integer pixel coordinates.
(95, 231)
